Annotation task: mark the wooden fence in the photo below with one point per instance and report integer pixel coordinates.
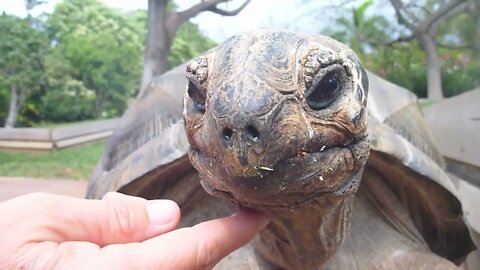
(47, 139)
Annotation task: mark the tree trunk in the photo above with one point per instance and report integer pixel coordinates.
(100, 101)
(158, 43)
(477, 33)
(434, 72)
(162, 27)
(14, 107)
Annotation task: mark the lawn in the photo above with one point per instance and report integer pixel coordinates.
(72, 163)
(424, 103)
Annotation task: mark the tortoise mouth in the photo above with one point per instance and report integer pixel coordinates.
(292, 181)
(295, 201)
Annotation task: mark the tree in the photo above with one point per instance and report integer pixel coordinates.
(162, 26)
(88, 65)
(359, 31)
(77, 101)
(104, 48)
(22, 63)
(385, 49)
(423, 22)
(188, 43)
(4, 95)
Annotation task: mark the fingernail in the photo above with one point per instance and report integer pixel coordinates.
(161, 212)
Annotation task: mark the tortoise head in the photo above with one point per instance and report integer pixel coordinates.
(275, 119)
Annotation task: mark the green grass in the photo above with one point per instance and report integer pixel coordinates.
(72, 163)
(424, 103)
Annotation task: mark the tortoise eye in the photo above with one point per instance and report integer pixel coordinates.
(325, 91)
(197, 94)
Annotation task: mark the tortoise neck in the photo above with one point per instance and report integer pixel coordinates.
(307, 236)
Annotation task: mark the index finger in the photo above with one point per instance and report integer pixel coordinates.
(198, 247)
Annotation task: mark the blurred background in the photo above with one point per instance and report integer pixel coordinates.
(69, 69)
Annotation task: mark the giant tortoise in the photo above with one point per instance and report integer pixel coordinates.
(278, 122)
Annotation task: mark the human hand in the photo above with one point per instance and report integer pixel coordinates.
(46, 231)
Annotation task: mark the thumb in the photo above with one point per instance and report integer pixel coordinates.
(117, 218)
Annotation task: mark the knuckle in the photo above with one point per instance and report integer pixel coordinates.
(38, 200)
(204, 255)
(110, 195)
(121, 218)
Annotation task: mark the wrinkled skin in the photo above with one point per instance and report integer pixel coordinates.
(277, 122)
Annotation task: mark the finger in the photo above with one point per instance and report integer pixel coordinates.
(117, 218)
(198, 247)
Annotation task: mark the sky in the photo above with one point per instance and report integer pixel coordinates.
(284, 14)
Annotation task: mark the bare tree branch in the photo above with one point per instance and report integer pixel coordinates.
(425, 30)
(183, 16)
(209, 5)
(420, 7)
(431, 22)
(443, 13)
(399, 8)
(401, 39)
(234, 12)
(162, 27)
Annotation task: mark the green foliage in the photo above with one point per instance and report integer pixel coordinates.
(22, 49)
(403, 63)
(104, 50)
(460, 52)
(461, 71)
(360, 31)
(188, 43)
(30, 112)
(81, 62)
(359, 12)
(105, 47)
(72, 102)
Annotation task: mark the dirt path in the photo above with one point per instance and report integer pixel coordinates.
(15, 186)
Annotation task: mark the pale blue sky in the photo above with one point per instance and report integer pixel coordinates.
(288, 14)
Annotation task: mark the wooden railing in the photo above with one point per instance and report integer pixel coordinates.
(47, 139)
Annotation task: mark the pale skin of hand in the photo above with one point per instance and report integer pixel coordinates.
(45, 231)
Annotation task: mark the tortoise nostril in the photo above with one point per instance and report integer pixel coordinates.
(253, 132)
(227, 133)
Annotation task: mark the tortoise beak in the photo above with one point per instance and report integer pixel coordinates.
(244, 164)
(244, 150)
(244, 126)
